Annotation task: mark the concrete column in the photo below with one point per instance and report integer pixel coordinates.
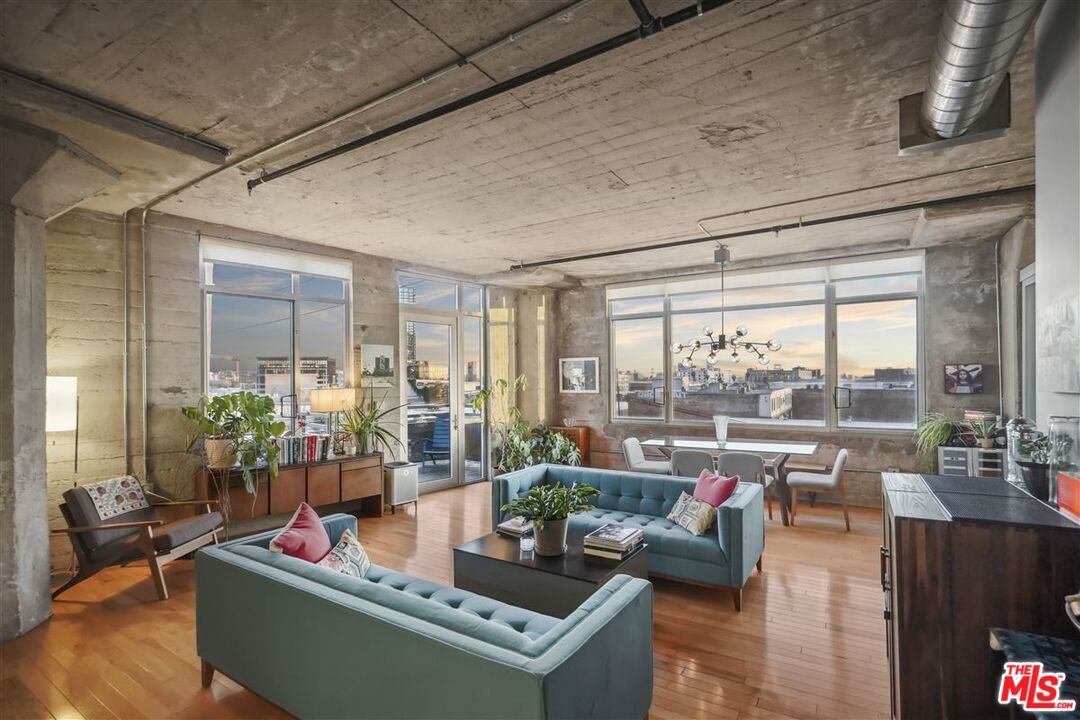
(41, 176)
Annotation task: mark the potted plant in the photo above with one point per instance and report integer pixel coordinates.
(549, 508)
(237, 428)
(366, 422)
(984, 429)
(936, 429)
(516, 444)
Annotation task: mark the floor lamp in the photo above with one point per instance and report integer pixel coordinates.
(62, 408)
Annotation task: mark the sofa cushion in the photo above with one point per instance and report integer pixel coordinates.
(478, 617)
(713, 488)
(530, 624)
(176, 533)
(692, 513)
(303, 536)
(663, 536)
(348, 557)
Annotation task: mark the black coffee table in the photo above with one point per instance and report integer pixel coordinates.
(495, 567)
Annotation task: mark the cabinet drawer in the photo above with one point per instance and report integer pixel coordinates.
(361, 463)
(288, 490)
(360, 483)
(323, 484)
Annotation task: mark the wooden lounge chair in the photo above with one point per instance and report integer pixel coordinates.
(138, 533)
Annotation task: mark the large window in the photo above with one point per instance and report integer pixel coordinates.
(276, 324)
(849, 355)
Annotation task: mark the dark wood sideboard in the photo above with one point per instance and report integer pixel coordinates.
(962, 555)
(579, 435)
(356, 481)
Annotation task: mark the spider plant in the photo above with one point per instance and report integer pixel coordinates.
(935, 430)
(367, 422)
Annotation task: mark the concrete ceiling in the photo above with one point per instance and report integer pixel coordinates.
(759, 112)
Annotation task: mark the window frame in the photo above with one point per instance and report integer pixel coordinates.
(829, 301)
(306, 265)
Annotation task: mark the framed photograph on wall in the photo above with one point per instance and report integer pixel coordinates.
(579, 375)
(377, 365)
(964, 379)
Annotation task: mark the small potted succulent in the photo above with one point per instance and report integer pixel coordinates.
(985, 431)
(549, 507)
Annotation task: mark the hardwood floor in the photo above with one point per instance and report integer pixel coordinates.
(809, 642)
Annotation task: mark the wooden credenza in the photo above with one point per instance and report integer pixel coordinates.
(579, 435)
(356, 480)
(961, 555)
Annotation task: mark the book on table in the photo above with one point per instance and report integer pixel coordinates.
(515, 526)
(613, 542)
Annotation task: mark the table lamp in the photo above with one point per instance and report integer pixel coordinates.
(332, 401)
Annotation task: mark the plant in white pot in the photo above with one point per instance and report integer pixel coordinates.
(549, 508)
(237, 428)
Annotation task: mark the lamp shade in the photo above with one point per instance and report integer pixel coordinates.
(61, 403)
(332, 399)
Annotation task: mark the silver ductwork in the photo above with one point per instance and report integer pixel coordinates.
(977, 42)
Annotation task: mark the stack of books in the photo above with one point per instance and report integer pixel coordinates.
(613, 542)
(303, 449)
(515, 527)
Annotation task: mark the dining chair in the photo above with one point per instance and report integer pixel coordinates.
(750, 468)
(820, 482)
(690, 463)
(636, 462)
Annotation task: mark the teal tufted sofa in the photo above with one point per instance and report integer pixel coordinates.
(724, 555)
(323, 645)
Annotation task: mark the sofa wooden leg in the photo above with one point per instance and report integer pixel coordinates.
(759, 564)
(736, 595)
(146, 541)
(207, 673)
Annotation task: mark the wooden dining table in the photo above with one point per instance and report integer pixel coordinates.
(775, 453)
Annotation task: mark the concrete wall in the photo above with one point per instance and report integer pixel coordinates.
(1057, 230)
(959, 325)
(85, 320)
(85, 282)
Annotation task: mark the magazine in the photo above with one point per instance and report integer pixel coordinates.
(515, 526)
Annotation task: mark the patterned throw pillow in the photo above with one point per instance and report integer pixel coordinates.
(693, 514)
(348, 557)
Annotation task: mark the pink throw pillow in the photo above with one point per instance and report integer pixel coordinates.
(303, 537)
(714, 489)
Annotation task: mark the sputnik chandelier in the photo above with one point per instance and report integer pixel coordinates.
(716, 343)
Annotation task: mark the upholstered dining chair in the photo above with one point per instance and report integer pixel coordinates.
(821, 482)
(690, 463)
(111, 522)
(636, 462)
(750, 468)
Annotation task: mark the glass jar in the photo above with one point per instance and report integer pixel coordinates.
(1021, 435)
(1064, 450)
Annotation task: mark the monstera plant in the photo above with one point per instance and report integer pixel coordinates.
(237, 428)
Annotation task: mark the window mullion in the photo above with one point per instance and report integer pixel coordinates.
(832, 420)
(669, 372)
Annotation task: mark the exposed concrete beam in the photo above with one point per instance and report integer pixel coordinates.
(23, 90)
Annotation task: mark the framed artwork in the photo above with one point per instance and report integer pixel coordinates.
(377, 365)
(579, 375)
(964, 379)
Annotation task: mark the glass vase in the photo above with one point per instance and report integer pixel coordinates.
(1064, 450)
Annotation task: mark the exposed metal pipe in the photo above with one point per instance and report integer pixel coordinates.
(779, 228)
(657, 25)
(370, 104)
(127, 321)
(642, 11)
(145, 347)
(976, 44)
